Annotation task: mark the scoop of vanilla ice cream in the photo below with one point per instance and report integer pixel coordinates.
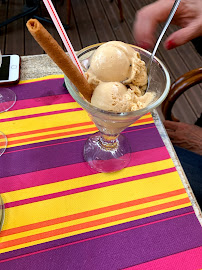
(119, 78)
(111, 96)
(116, 61)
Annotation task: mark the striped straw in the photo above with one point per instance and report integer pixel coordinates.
(56, 20)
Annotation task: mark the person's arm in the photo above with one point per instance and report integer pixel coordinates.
(185, 135)
(188, 16)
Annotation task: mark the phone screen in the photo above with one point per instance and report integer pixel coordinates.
(4, 69)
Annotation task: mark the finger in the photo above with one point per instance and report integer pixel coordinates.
(146, 22)
(144, 34)
(171, 134)
(171, 125)
(182, 36)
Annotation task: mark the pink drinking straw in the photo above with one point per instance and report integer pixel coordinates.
(56, 20)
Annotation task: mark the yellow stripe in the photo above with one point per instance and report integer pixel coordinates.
(46, 109)
(78, 130)
(50, 139)
(139, 124)
(48, 121)
(40, 109)
(87, 229)
(93, 199)
(42, 78)
(96, 217)
(87, 181)
(59, 137)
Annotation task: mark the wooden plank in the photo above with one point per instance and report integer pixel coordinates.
(120, 29)
(3, 16)
(100, 21)
(62, 12)
(183, 112)
(31, 46)
(129, 15)
(194, 97)
(72, 32)
(15, 35)
(84, 23)
(50, 27)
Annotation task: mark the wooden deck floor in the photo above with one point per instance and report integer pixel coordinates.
(98, 21)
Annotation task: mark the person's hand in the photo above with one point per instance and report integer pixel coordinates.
(188, 16)
(185, 135)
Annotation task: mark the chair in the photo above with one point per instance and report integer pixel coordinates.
(29, 9)
(179, 86)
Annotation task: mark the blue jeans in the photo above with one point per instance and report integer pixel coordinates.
(192, 165)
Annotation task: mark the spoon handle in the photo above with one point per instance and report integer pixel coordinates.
(172, 13)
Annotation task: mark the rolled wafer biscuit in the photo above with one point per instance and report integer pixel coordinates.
(62, 60)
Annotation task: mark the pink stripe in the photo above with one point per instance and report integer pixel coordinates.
(57, 174)
(186, 260)
(39, 80)
(42, 101)
(39, 114)
(88, 188)
(100, 236)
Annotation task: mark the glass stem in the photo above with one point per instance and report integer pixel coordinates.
(108, 142)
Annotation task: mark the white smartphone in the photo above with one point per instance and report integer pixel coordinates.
(10, 69)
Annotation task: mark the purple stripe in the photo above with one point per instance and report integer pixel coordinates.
(60, 152)
(104, 235)
(87, 188)
(122, 246)
(39, 89)
(88, 235)
(71, 171)
(144, 139)
(39, 114)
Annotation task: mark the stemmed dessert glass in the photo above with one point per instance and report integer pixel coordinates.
(7, 100)
(108, 150)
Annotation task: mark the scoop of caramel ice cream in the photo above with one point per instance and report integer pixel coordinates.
(119, 78)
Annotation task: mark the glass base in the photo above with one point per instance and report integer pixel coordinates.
(7, 99)
(107, 157)
(1, 212)
(3, 143)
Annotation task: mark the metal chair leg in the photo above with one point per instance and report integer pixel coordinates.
(31, 7)
(27, 12)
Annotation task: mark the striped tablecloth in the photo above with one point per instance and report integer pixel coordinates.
(61, 215)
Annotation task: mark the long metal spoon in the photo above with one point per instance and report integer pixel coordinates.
(172, 13)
